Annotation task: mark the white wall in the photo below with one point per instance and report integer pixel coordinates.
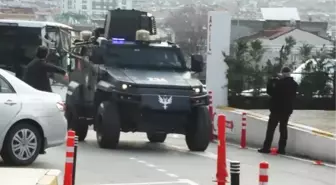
(219, 28)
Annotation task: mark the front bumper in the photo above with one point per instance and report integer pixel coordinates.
(157, 113)
(169, 102)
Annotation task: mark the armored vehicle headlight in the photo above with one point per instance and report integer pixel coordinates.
(124, 86)
(197, 90)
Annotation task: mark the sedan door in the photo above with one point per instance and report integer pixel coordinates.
(10, 104)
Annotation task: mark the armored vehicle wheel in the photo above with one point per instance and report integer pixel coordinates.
(156, 137)
(81, 127)
(199, 129)
(108, 125)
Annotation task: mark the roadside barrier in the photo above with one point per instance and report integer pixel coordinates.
(211, 112)
(263, 173)
(221, 155)
(235, 172)
(70, 158)
(75, 161)
(243, 131)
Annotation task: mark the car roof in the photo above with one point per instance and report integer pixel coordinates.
(39, 24)
(19, 86)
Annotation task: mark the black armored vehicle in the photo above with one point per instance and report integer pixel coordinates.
(141, 85)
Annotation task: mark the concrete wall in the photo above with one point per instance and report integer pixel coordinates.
(303, 141)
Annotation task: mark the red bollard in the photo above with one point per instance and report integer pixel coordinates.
(243, 132)
(211, 116)
(263, 173)
(69, 158)
(221, 155)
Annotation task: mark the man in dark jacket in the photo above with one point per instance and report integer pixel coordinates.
(36, 74)
(282, 90)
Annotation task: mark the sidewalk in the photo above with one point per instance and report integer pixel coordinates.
(324, 120)
(29, 176)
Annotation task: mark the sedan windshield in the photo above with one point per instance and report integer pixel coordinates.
(145, 57)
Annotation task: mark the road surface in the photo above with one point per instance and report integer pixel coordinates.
(324, 120)
(137, 161)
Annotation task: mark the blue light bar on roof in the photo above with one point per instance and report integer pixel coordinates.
(118, 40)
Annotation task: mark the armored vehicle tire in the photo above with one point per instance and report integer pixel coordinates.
(156, 137)
(198, 130)
(81, 127)
(108, 125)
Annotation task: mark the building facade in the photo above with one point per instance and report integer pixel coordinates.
(94, 7)
(274, 39)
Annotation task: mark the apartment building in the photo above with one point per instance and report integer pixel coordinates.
(94, 7)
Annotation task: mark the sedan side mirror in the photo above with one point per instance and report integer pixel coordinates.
(197, 63)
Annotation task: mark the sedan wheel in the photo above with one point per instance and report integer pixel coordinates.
(22, 145)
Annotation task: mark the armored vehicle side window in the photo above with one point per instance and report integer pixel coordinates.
(145, 57)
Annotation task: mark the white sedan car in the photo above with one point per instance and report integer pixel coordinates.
(30, 121)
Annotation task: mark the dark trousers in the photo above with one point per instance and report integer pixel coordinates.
(273, 121)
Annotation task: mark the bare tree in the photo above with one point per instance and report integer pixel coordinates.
(190, 26)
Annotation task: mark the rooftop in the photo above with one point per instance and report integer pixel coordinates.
(270, 33)
(280, 14)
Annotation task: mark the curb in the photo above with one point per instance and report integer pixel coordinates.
(52, 177)
(262, 117)
(298, 158)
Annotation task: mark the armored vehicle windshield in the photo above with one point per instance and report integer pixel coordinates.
(144, 57)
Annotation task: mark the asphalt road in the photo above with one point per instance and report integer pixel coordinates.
(137, 161)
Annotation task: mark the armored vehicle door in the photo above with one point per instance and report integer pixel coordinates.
(74, 67)
(90, 73)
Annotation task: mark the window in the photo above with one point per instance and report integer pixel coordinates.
(5, 87)
(18, 44)
(84, 7)
(124, 2)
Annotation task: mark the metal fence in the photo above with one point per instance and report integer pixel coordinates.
(313, 85)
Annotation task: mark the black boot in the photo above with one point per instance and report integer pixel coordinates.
(264, 151)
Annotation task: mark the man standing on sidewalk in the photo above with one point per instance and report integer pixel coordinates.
(282, 91)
